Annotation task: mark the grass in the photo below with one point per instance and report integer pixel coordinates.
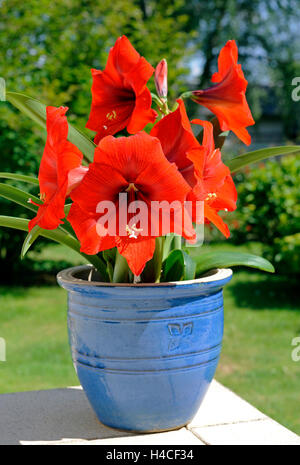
(262, 316)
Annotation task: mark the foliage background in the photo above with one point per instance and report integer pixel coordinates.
(47, 50)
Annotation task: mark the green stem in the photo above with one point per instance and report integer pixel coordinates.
(177, 243)
(186, 95)
(121, 270)
(161, 103)
(152, 270)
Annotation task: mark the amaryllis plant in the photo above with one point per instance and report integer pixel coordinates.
(135, 205)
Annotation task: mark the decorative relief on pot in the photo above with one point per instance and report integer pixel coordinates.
(179, 332)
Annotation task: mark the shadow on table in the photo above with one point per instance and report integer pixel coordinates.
(50, 416)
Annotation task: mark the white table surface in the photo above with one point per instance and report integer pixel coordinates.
(64, 417)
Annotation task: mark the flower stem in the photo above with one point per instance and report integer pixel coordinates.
(121, 270)
(162, 104)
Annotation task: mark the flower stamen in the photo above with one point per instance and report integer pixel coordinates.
(42, 196)
(132, 231)
(111, 115)
(131, 187)
(211, 195)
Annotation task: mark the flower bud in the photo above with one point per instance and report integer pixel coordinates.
(161, 78)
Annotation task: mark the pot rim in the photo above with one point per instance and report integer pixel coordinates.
(67, 276)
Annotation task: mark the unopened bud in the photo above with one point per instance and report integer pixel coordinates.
(161, 78)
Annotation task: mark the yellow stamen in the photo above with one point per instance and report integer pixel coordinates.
(131, 187)
(211, 195)
(111, 115)
(42, 196)
(132, 231)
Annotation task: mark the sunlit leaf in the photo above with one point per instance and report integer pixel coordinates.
(210, 260)
(245, 159)
(30, 239)
(20, 177)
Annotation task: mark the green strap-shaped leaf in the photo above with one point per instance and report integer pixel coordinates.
(20, 177)
(30, 239)
(189, 267)
(211, 260)
(245, 159)
(178, 266)
(37, 112)
(58, 236)
(18, 196)
(173, 266)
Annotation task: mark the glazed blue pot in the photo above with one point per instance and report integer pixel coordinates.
(145, 354)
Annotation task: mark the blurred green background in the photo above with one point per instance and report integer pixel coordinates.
(47, 50)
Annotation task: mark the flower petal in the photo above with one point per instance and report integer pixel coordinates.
(85, 227)
(137, 252)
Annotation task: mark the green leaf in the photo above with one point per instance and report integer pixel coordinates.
(20, 177)
(245, 159)
(60, 237)
(211, 260)
(189, 267)
(177, 266)
(29, 240)
(37, 112)
(18, 196)
(173, 266)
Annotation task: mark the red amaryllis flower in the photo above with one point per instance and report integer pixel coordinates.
(227, 98)
(200, 165)
(214, 183)
(177, 139)
(120, 97)
(134, 166)
(60, 170)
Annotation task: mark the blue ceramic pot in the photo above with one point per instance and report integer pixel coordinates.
(145, 354)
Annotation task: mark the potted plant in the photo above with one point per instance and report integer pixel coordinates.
(145, 318)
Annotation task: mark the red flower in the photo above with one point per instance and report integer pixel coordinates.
(177, 139)
(200, 165)
(214, 182)
(60, 170)
(120, 97)
(227, 98)
(135, 166)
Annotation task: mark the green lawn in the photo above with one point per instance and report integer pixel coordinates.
(262, 315)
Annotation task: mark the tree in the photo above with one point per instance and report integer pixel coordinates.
(269, 48)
